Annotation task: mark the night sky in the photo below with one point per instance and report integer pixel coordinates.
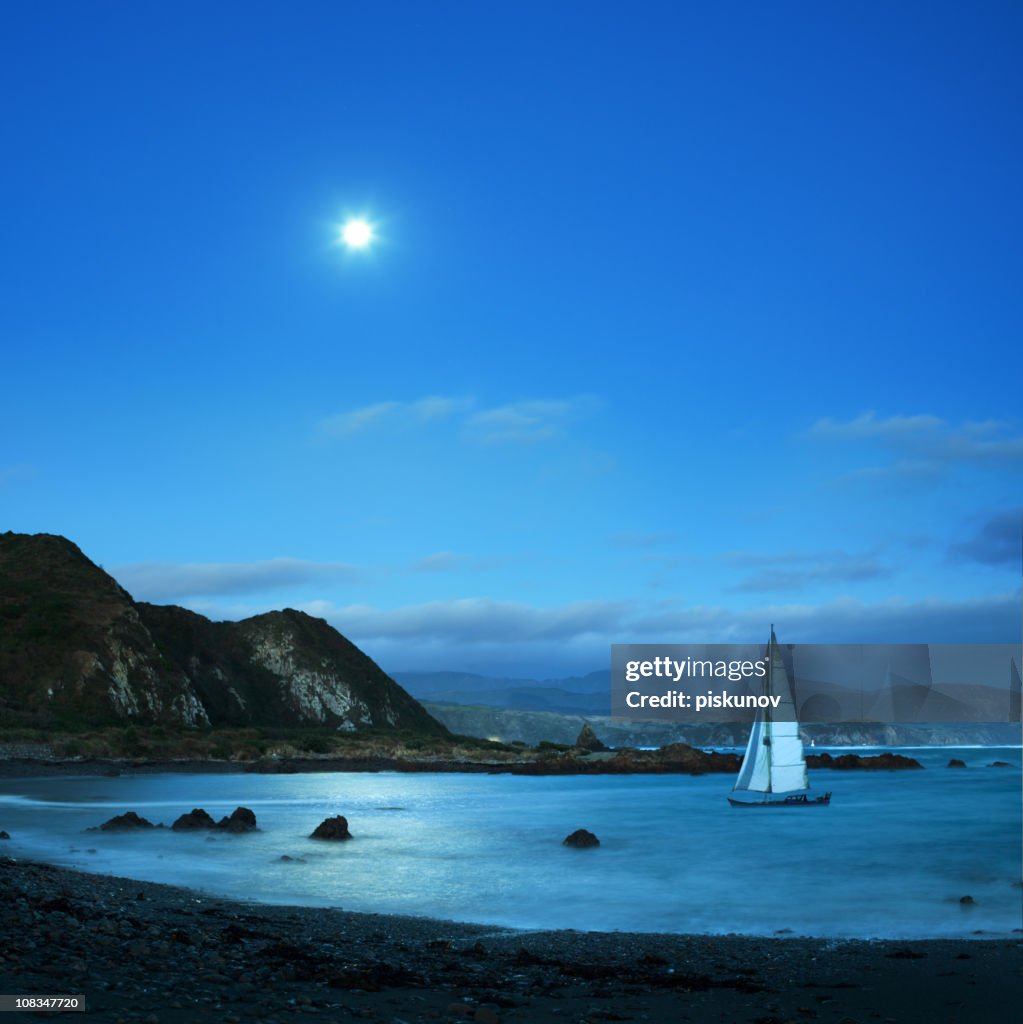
(678, 319)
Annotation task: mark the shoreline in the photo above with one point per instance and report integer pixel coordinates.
(663, 761)
(147, 951)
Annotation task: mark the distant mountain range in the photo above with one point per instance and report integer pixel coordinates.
(531, 710)
(76, 649)
(510, 726)
(572, 695)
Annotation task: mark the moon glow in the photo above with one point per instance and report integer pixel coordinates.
(356, 233)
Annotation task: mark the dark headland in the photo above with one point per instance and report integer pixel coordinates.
(92, 680)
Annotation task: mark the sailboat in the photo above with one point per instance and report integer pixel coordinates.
(773, 771)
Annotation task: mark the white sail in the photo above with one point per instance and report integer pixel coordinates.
(774, 760)
(755, 773)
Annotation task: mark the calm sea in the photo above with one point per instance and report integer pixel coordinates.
(891, 856)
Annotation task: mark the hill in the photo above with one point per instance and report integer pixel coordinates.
(76, 649)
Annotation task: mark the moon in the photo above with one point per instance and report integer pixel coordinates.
(357, 233)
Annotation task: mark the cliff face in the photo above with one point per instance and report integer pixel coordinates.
(75, 647)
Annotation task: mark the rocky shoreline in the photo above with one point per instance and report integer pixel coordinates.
(144, 952)
(674, 759)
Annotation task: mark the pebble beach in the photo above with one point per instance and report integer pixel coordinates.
(144, 952)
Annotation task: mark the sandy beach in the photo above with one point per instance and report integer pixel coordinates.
(152, 953)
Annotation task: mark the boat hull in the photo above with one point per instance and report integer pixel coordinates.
(788, 801)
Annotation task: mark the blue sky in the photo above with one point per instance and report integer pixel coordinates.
(680, 319)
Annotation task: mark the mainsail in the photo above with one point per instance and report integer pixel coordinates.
(774, 761)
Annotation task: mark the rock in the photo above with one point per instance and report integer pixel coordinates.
(887, 761)
(241, 820)
(956, 763)
(967, 901)
(4, 835)
(587, 740)
(195, 819)
(332, 828)
(580, 839)
(125, 823)
(999, 764)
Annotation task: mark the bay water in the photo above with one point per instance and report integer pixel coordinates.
(891, 857)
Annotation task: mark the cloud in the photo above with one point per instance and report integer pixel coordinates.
(867, 425)
(473, 620)
(529, 421)
(439, 562)
(169, 581)
(999, 542)
(421, 410)
(345, 424)
(507, 638)
(797, 571)
(526, 421)
(925, 445)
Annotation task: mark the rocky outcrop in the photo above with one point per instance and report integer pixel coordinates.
(194, 820)
(4, 835)
(335, 828)
(127, 822)
(581, 839)
(588, 741)
(845, 762)
(955, 762)
(241, 819)
(75, 645)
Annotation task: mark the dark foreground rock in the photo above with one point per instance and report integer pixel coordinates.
(241, 819)
(581, 839)
(335, 828)
(177, 957)
(127, 822)
(194, 820)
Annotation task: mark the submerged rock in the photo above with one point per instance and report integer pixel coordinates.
(332, 828)
(197, 818)
(581, 839)
(125, 823)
